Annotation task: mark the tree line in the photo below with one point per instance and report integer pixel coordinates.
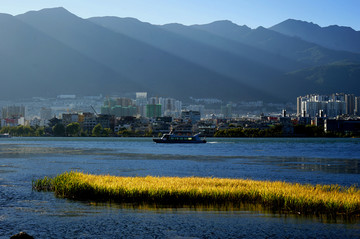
(274, 131)
(23, 131)
(277, 131)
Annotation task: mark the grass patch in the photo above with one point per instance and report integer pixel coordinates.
(176, 191)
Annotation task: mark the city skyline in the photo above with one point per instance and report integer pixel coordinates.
(253, 14)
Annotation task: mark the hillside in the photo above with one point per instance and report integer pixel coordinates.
(160, 72)
(52, 51)
(332, 37)
(34, 64)
(323, 79)
(293, 48)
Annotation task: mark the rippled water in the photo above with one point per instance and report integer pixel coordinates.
(315, 161)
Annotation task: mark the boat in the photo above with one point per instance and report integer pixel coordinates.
(6, 135)
(172, 138)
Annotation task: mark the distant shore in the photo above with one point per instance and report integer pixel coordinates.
(298, 131)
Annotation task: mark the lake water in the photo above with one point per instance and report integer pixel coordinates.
(42, 215)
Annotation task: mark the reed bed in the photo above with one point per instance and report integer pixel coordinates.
(176, 191)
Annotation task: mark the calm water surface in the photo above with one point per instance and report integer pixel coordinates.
(314, 161)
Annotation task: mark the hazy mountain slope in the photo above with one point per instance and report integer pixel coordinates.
(146, 65)
(225, 28)
(241, 62)
(33, 64)
(335, 77)
(52, 51)
(198, 45)
(294, 48)
(333, 37)
(317, 58)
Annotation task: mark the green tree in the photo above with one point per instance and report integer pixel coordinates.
(40, 131)
(125, 133)
(309, 130)
(28, 131)
(107, 132)
(58, 130)
(73, 129)
(5, 129)
(97, 130)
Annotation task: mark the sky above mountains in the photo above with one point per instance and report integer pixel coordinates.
(252, 13)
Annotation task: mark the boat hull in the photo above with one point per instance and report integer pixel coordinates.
(179, 141)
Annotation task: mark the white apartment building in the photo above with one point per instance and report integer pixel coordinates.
(329, 105)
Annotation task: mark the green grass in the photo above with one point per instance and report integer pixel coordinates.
(176, 191)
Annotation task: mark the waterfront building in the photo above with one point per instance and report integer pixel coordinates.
(69, 118)
(106, 121)
(342, 126)
(87, 121)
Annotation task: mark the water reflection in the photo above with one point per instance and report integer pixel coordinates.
(241, 208)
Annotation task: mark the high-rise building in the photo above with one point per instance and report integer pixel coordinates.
(311, 105)
(141, 102)
(124, 102)
(226, 110)
(45, 113)
(200, 108)
(122, 111)
(153, 110)
(350, 103)
(119, 107)
(154, 101)
(170, 107)
(298, 106)
(10, 112)
(357, 106)
(141, 97)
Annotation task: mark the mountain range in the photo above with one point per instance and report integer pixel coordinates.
(52, 51)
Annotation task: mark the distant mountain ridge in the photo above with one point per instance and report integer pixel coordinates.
(52, 51)
(333, 37)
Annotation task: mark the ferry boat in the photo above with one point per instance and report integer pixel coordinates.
(172, 138)
(6, 135)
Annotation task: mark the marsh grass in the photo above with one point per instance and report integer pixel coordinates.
(176, 191)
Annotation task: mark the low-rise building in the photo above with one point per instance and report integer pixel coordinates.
(342, 126)
(190, 116)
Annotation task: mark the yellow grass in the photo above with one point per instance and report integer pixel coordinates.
(329, 199)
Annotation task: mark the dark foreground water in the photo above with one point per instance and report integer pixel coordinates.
(314, 161)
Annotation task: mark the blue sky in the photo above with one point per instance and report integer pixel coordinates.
(253, 13)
